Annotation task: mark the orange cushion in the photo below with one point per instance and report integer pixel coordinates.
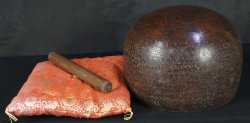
(50, 90)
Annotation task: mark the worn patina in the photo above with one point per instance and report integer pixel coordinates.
(183, 58)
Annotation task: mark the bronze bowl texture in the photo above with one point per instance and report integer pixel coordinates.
(183, 58)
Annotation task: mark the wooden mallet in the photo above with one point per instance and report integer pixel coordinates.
(80, 72)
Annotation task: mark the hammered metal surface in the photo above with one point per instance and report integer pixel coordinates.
(183, 58)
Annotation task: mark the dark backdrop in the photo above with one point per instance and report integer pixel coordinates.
(35, 27)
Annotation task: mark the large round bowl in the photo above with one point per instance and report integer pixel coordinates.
(183, 58)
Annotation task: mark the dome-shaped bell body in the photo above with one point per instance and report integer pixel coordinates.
(183, 58)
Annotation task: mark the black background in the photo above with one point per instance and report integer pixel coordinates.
(29, 29)
(35, 27)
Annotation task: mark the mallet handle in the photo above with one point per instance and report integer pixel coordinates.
(82, 73)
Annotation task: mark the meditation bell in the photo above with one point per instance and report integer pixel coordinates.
(183, 58)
